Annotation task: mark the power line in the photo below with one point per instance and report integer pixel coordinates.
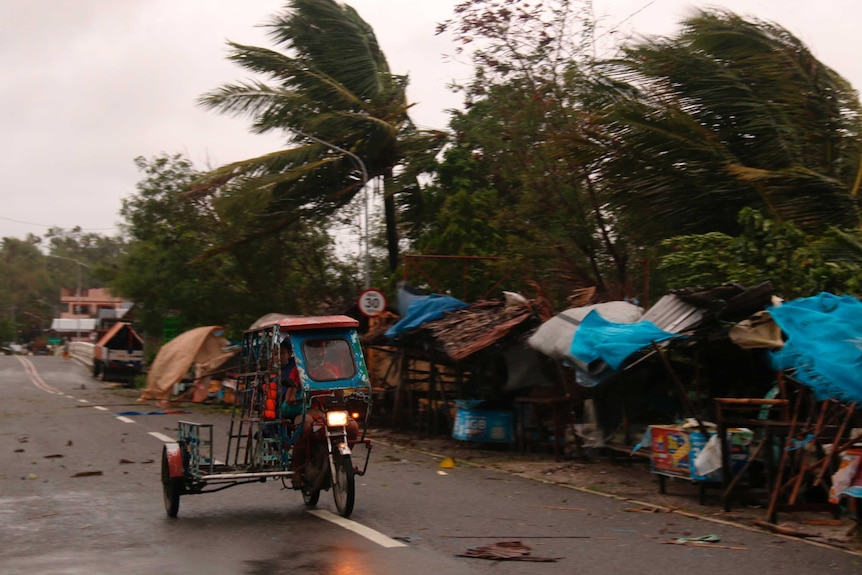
(53, 226)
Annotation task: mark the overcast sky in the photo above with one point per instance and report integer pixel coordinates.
(88, 85)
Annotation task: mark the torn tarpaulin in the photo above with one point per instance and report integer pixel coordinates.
(505, 551)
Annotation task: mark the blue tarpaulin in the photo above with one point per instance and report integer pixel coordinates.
(600, 339)
(824, 344)
(425, 309)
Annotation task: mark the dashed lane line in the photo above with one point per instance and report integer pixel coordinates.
(125, 419)
(358, 528)
(162, 437)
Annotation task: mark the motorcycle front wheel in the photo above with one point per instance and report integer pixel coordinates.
(344, 485)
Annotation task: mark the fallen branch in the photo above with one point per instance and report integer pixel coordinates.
(783, 530)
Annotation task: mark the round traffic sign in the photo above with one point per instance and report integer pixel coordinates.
(372, 302)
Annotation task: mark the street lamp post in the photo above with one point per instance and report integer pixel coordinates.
(361, 164)
(77, 290)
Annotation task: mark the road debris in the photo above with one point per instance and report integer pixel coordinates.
(560, 508)
(645, 510)
(87, 474)
(783, 529)
(702, 541)
(506, 551)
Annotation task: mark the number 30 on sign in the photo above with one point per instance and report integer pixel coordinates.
(372, 302)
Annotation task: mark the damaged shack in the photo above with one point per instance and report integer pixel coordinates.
(725, 386)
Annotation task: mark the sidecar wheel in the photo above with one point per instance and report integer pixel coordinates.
(344, 485)
(172, 488)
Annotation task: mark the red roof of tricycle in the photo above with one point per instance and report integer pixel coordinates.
(312, 322)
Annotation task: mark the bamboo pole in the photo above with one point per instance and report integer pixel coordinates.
(834, 449)
(773, 500)
(681, 391)
(803, 468)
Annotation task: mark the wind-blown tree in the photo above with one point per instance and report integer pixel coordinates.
(525, 151)
(331, 83)
(289, 271)
(727, 114)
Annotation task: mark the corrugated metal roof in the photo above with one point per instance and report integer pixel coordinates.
(672, 314)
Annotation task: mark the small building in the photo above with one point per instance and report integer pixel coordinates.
(89, 303)
(87, 312)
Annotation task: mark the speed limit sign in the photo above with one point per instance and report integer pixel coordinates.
(372, 302)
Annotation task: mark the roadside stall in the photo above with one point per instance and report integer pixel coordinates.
(201, 350)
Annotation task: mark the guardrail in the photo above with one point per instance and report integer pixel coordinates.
(82, 351)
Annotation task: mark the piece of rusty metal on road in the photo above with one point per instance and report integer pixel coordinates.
(87, 474)
(506, 551)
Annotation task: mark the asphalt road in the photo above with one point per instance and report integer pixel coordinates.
(80, 492)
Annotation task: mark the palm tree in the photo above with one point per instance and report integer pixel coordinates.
(727, 114)
(331, 84)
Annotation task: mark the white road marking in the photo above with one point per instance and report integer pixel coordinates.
(83, 401)
(100, 408)
(35, 378)
(367, 532)
(125, 419)
(162, 437)
(71, 396)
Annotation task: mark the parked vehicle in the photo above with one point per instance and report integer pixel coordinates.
(299, 426)
(119, 354)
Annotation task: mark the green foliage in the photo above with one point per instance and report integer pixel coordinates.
(292, 271)
(841, 250)
(518, 181)
(796, 264)
(31, 280)
(704, 260)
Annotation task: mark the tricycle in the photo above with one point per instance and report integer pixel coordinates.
(302, 395)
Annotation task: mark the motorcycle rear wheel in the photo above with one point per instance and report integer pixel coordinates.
(344, 485)
(313, 475)
(310, 496)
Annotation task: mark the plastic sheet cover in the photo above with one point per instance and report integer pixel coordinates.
(824, 344)
(598, 338)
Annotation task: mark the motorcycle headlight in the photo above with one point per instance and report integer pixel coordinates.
(336, 418)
